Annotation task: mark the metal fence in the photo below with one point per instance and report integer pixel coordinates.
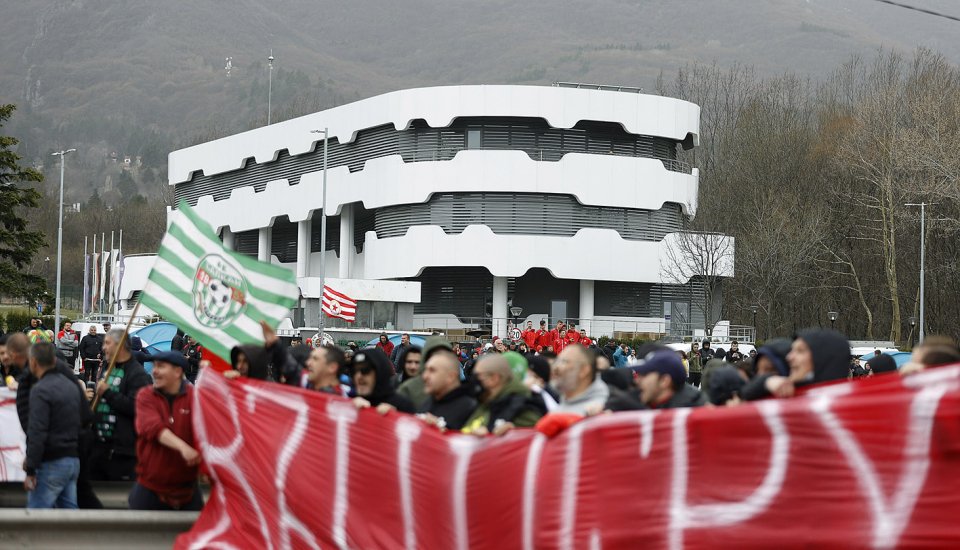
(455, 328)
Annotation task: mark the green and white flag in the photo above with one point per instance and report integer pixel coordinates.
(213, 294)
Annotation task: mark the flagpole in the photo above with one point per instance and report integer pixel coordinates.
(103, 242)
(110, 286)
(323, 235)
(93, 267)
(116, 351)
(116, 294)
(86, 279)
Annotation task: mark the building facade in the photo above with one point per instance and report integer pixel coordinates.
(449, 206)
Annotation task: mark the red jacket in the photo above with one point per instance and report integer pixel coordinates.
(387, 348)
(544, 339)
(573, 337)
(530, 337)
(160, 468)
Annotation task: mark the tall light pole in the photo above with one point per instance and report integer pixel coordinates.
(56, 322)
(754, 310)
(323, 230)
(270, 86)
(923, 216)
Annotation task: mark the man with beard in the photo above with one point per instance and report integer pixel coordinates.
(449, 403)
(574, 376)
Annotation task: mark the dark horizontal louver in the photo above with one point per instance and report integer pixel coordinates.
(420, 143)
(525, 214)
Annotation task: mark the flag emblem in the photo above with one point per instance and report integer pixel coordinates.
(339, 305)
(219, 292)
(215, 294)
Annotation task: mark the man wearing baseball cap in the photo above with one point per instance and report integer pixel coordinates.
(661, 379)
(167, 460)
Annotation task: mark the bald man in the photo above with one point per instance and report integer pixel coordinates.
(574, 376)
(449, 403)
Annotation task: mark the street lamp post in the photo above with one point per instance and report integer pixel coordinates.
(923, 216)
(323, 229)
(270, 86)
(56, 323)
(832, 315)
(754, 310)
(515, 312)
(913, 323)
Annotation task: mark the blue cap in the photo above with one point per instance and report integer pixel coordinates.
(172, 357)
(663, 362)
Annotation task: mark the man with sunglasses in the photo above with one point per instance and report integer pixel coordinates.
(373, 381)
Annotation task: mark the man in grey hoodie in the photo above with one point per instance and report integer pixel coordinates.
(574, 376)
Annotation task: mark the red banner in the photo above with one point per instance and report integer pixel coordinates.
(856, 465)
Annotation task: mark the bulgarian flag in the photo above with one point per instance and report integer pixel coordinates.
(213, 294)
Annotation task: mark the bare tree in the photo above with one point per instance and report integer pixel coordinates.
(705, 257)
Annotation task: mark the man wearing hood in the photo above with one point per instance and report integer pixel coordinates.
(771, 358)
(449, 403)
(505, 402)
(706, 353)
(373, 380)
(413, 388)
(252, 361)
(409, 365)
(816, 355)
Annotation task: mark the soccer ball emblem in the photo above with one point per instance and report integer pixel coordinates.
(219, 292)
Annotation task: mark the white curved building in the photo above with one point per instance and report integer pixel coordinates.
(447, 204)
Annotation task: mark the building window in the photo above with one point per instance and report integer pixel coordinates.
(474, 138)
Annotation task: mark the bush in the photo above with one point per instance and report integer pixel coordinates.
(16, 319)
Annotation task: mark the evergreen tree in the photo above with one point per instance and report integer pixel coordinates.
(18, 245)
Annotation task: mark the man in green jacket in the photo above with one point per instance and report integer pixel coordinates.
(505, 402)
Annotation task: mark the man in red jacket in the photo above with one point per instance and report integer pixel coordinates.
(529, 336)
(544, 338)
(559, 337)
(167, 460)
(573, 337)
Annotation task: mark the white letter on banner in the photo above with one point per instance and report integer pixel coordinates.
(889, 518)
(288, 520)
(683, 516)
(343, 414)
(462, 447)
(407, 431)
(571, 479)
(530, 487)
(646, 432)
(224, 457)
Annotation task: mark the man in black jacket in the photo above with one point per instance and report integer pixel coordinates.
(53, 429)
(660, 382)
(91, 350)
(114, 455)
(449, 403)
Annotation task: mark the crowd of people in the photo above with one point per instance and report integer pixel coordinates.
(117, 422)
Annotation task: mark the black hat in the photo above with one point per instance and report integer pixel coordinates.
(540, 367)
(172, 357)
